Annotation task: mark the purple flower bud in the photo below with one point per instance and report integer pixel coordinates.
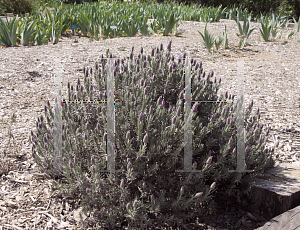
(223, 111)
(208, 162)
(163, 104)
(141, 117)
(257, 112)
(174, 119)
(178, 111)
(181, 190)
(145, 64)
(198, 84)
(104, 136)
(161, 47)
(230, 142)
(250, 105)
(122, 184)
(87, 126)
(92, 160)
(128, 135)
(195, 107)
(137, 60)
(190, 177)
(170, 109)
(213, 186)
(260, 138)
(45, 138)
(172, 217)
(212, 118)
(152, 53)
(96, 65)
(85, 136)
(199, 194)
(129, 165)
(181, 95)
(156, 166)
(159, 100)
(131, 56)
(228, 120)
(197, 66)
(226, 95)
(203, 75)
(63, 137)
(157, 50)
(33, 154)
(184, 55)
(135, 203)
(145, 140)
(128, 206)
(220, 81)
(254, 127)
(234, 151)
(151, 110)
(39, 132)
(93, 170)
(99, 74)
(87, 190)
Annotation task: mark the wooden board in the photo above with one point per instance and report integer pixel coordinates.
(289, 220)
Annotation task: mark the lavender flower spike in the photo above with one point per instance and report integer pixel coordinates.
(213, 186)
(181, 191)
(145, 140)
(141, 116)
(208, 162)
(159, 100)
(128, 135)
(151, 110)
(181, 95)
(199, 194)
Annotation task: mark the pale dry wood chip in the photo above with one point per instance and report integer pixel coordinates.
(10, 203)
(63, 225)
(4, 209)
(13, 226)
(80, 215)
